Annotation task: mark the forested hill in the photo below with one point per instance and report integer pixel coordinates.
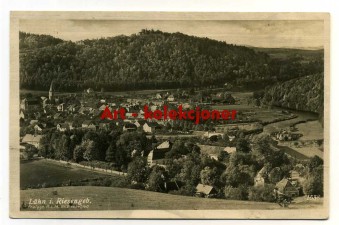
(306, 93)
(33, 41)
(147, 60)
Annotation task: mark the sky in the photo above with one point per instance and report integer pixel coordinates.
(257, 33)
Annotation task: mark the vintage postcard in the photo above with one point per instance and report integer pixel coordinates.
(169, 115)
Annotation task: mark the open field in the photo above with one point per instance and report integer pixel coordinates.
(306, 151)
(37, 172)
(311, 130)
(111, 198)
(274, 127)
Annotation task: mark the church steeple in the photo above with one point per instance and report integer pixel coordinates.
(51, 92)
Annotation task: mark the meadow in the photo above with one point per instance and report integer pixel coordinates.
(38, 172)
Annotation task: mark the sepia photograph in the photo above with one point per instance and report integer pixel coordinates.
(169, 115)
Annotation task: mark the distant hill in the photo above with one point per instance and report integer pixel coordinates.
(29, 41)
(305, 93)
(283, 53)
(150, 60)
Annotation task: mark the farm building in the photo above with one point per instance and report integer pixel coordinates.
(205, 191)
(285, 186)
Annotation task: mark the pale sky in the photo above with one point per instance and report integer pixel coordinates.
(258, 33)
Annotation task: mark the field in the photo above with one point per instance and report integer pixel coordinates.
(38, 172)
(111, 198)
(311, 130)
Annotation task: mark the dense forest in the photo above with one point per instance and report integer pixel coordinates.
(305, 93)
(150, 60)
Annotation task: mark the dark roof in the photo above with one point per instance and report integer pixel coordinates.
(153, 124)
(64, 125)
(130, 125)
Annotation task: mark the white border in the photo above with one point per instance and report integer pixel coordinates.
(6, 6)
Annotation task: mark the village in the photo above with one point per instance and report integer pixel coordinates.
(50, 125)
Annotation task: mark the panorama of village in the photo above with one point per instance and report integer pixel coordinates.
(269, 157)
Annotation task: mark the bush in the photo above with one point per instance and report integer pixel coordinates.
(239, 193)
(262, 193)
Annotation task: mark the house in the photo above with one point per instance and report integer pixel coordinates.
(171, 98)
(140, 123)
(38, 128)
(32, 140)
(230, 150)
(295, 175)
(206, 191)
(129, 127)
(89, 125)
(151, 127)
(261, 177)
(57, 116)
(158, 96)
(285, 186)
(29, 104)
(157, 155)
(71, 124)
(104, 126)
(62, 127)
(61, 107)
(32, 122)
(22, 115)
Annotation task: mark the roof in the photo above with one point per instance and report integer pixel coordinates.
(230, 150)
(281, 185)
(31, 138)
(205, 189)
(31, 101)
(262, 172)
(153, 124)
(130, 125)
(141, 122)
(164, 145)
(51, 88)
(64, 125)
(87, 122)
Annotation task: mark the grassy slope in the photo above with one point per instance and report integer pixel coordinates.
(43, 171)
(111, 198)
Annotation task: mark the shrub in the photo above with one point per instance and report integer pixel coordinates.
(262, 193)
(239, 193)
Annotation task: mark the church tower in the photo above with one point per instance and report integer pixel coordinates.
(51, 92)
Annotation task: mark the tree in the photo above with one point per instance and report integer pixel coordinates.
(91, 152)
(78, 153)
(242, 145)
(110, 153)
(44, 146)
(223, 156)
(262, 193)
(138, 170)
(314, 183)
(209, 176)
(156, 179)
(179, 148)
(63, 152)
(239, 193)
(275, 175)
(315, 162)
